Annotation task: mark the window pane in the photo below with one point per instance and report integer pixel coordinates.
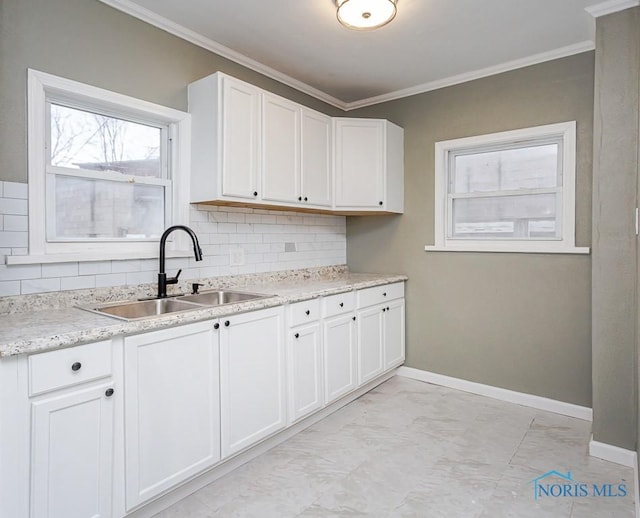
(101, 209)
(531, 167)
(81, 139)
(514, 217)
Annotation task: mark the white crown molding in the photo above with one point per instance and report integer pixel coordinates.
(611, 6)
(132, 9)
(562, 52)
(519, 398)
(137, 11)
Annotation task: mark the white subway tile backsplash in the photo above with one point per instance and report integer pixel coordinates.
(141, 277)
(60, 270)
(111, 279)
(314, 240)
(15, 190)
(13, 206)
(94, 267)
(9, 288)
(15, 223)
(78, 283)
(132, 265)
(39, 286)
(13, 239)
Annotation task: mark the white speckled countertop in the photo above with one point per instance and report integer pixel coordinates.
(46, 329)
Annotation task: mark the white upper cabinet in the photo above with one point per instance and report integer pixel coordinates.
(369, 166)
(249, 146)
(225, 140)
(316, 177)
(296, 154)
(280, 149)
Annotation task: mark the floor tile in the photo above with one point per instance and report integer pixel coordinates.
(412, 449)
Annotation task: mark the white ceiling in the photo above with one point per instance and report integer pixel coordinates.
(430, 44)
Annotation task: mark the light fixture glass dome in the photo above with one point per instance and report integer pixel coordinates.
(365, 14)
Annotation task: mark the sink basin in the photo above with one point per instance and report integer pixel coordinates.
(220, 297)
(135, 310)
(144, 308)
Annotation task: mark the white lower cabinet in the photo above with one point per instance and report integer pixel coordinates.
(370, 343)
(381, 335)
(304, 353)
(340, 367)
(171, 408)
(394, 334)
(72, 454)
(99, 430)
(252, 378)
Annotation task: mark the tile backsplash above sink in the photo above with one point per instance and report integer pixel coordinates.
(269, 240)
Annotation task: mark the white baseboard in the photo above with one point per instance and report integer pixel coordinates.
(612, 453)
(520, 398)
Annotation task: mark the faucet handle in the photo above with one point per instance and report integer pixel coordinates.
(174, 280)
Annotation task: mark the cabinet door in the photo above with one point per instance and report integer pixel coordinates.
(315, 158)
(72, 453)
(360, 163)
(304, 354)
(280, 149)
(370, 342)
(172, 428)
(240, 139)
(252, 378)
(340, 368)
(394, 334)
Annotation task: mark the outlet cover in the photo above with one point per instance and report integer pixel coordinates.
(236, 257)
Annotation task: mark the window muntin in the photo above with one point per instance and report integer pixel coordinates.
(157, 184)
(506, 192)
(512, 191)
(107, 177)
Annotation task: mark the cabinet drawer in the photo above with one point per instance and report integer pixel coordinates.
(303, 312)
(66, 367)
(379, 294)
(338, 304)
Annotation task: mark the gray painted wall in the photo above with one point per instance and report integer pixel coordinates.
(87, 41)
(615, 178)
(518, 321)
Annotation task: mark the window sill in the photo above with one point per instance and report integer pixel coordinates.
(523, 249)
(88, 257)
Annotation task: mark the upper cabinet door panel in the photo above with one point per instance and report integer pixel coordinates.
(360, 163)
(240, 135)
(316, 158)
(280, 149)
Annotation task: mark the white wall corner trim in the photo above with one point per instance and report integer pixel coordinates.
(611, 6)
(534, 59)
(612, 453)
(132, 9)
(510, 396)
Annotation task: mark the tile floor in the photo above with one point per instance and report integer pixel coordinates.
(409, 448)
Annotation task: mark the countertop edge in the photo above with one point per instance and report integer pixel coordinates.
(121, 328)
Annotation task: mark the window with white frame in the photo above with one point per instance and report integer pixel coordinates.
(107, 172)
(512, 191)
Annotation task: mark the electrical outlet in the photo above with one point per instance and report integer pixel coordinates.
(236, 257)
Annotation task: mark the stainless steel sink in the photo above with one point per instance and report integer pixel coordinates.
(220, 297)
(143, 309)
(136, 310)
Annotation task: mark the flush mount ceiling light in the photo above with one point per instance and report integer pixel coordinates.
(365, 15)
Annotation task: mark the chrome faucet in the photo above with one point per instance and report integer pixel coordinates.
(163, 280)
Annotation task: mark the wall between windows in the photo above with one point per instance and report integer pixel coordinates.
(517, 321)
(271, 241)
